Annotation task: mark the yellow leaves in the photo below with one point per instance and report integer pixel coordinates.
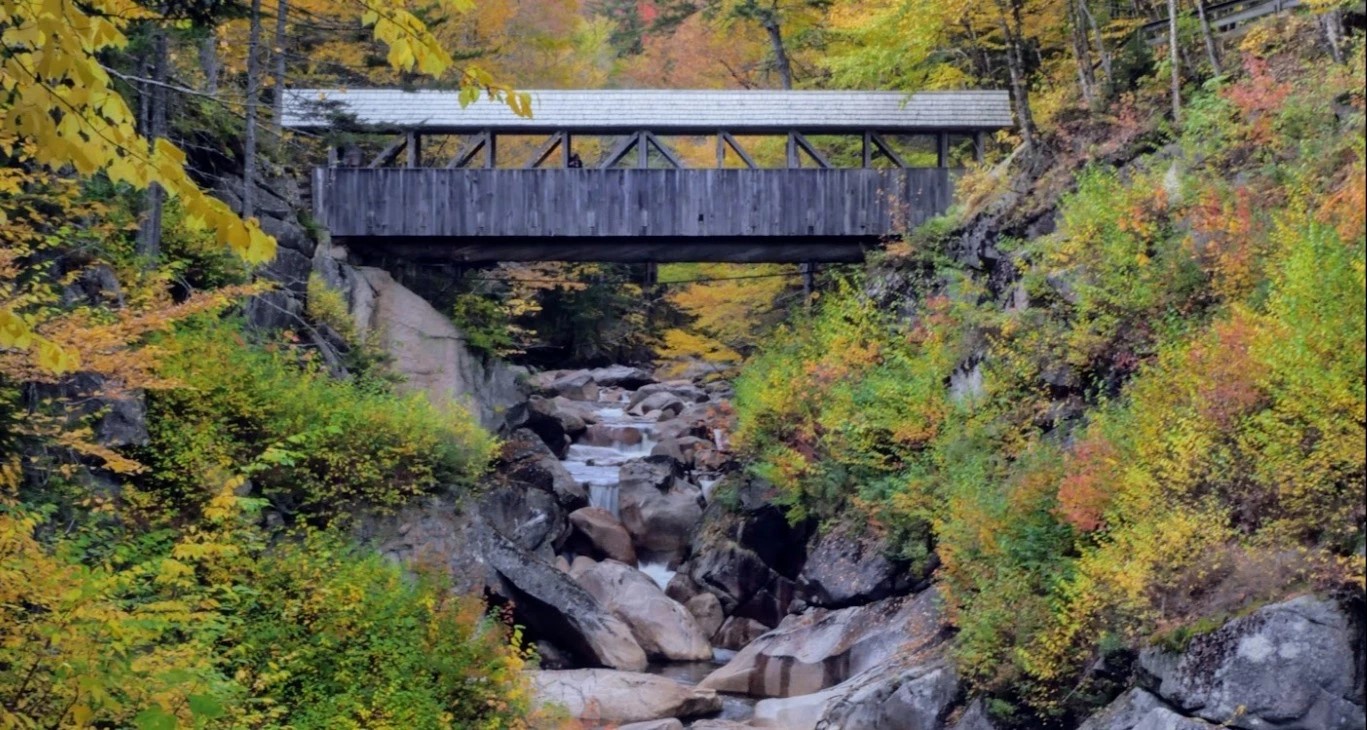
(14, 331)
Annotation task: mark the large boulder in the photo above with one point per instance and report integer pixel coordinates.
(671, 723)
(707, 611)
(607, 696)
(913, 691)
(662, 627)
(735, 574)
(556, 426)
(1287, 664)
(658, 508)
(736, 633)
(432, 531)
(822, 648)
(621, 376)
(573, 384)
(604, 533)
(848, 566)
(917, 697)
(1125, 712)
(662, 402)
(683, 449)
(681, 389)
(529, 517)
(551, 604)
(525, 458)
(975, 717)
(429, 351)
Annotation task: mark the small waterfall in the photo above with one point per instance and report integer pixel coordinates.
(604, 496)
(658, 572)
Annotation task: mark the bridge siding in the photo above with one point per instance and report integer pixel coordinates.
(389, 203)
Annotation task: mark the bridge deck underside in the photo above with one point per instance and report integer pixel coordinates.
(625, 214)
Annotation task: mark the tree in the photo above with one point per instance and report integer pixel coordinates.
(56, 94)
(781, 21)
(1174, 61)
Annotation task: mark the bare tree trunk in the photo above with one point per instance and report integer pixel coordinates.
(281, 11)
(781, 62)
(208, 61)
(253, 92)
(1010, 21)
(1106, 67)
(1085, 76)
(1173, 60)
(1211, 54)
(149, 233)
(1333, 32)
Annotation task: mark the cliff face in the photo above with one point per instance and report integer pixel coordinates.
(422, 344)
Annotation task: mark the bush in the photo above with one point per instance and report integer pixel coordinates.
(312, 445)
(212, 629)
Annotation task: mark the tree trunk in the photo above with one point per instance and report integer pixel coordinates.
(1106, 68)
(208, 61)
(149, 233)
(1211, 54)
(1173, 60)
(781, 63)
(253, 92)
(1010, 21)
(1333, 32)
(1086, 78)
(282, 10)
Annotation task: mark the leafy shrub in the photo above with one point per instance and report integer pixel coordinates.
(485, 324)
(213, 629)
(311, 444)
(1180, 406)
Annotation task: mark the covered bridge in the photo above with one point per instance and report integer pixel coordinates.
(637, 199)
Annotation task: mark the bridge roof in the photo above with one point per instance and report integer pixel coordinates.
(662, 111)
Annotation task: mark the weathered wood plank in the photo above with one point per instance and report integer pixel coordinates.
(391, 205)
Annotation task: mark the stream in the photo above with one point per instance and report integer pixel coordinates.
(594, 460)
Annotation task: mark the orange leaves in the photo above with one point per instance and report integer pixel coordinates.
(1227, 374)
(1259, 96)
(1230, 240)
(1086, 490)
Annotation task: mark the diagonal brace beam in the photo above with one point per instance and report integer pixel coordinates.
(390, 153)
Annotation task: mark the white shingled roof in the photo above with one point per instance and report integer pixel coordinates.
(661, 111)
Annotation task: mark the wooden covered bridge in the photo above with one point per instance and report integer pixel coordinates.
(636, 199)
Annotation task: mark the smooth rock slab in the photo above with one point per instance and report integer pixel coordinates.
(608, 695)
(666, 724)
(1287, 664)
(822, 648)
(553, 605)
(662, 627)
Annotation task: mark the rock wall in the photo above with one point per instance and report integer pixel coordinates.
(428, 350)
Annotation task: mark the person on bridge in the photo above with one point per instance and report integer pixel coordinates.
(575, 160)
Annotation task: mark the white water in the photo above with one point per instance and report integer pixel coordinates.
(658, 572)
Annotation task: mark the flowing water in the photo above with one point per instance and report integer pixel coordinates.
(616, 438)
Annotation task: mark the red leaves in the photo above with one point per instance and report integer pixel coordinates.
(1086, 490)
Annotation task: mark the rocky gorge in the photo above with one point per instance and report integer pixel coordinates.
(663, 588)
